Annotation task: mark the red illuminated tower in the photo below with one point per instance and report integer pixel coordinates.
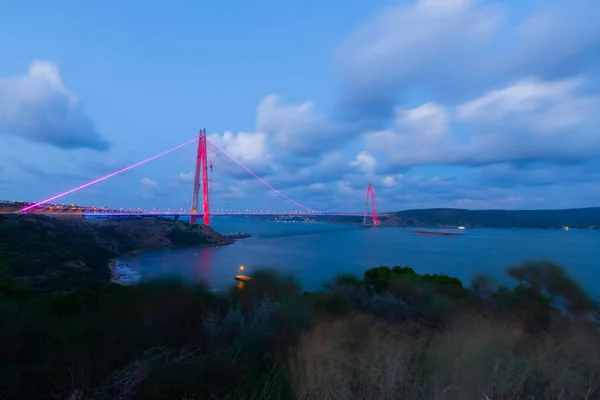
(371, 195)
(201, 168)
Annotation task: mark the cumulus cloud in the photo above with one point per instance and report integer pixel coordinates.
(504, 92)
(391, 180)
(299, 129)
(149, 183)
(291, 143)
(417, 136)
(533, 105)
(456, 47)
(325, 169)
(405, 43)
(246, 147)
(37, 106)
(534, 120)
(529, 121)
(365, 162)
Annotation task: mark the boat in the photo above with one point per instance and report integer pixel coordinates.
(437, 233)
(242, 278)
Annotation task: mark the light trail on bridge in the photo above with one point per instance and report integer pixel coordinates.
(29, 207)
(215, 214)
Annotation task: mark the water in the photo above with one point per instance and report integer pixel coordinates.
(316, 253)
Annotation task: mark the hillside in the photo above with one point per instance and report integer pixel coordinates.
(61, 254)
(574, 218)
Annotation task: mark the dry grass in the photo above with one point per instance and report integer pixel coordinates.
(359, 358)
(354, 359)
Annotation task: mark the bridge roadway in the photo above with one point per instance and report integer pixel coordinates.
(216, 214)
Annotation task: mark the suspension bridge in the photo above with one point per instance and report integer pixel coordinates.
(201, 194)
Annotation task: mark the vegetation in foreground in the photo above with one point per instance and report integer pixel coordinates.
(391, 334)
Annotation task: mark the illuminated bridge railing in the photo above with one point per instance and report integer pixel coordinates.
(217, 214)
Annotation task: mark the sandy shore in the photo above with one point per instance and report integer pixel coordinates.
(121, 274)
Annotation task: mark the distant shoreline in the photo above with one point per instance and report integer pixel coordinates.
(574, 218)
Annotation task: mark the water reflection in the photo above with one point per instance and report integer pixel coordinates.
(314, 258)
(203, 263)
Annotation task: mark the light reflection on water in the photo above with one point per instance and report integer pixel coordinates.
(315, 253)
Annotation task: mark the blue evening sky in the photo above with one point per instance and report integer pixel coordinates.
(437, 103)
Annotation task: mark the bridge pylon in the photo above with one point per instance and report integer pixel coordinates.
(371, 196)
(201, 172)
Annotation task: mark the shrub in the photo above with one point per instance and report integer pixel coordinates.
(396, 334)
(550, 280)
(358, 358)
(265, 284)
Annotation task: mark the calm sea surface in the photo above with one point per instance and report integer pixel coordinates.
(316, 253)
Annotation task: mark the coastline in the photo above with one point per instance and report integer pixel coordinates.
(130, 276)
(469, 227)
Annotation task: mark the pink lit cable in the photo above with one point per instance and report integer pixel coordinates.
(343, 205)
(107, 176)
(267, 184)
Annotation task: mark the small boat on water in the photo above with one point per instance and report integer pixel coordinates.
(437, 233)
(240, 277)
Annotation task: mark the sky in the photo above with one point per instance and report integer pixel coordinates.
(437, 103)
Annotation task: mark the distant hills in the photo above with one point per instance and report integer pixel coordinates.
(574, 218)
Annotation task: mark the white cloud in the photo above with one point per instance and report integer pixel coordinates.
(244, 146)
(38, 107)
(291, 142)
(299, 129)
(391, 180)
(147, 182)
(533, 120)
(365, 162)
(534, 105)
(418, 136)
(459, 47)
(403, 41)
(247, 148)
(530, 120)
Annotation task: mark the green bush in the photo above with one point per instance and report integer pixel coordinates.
(171, 339)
